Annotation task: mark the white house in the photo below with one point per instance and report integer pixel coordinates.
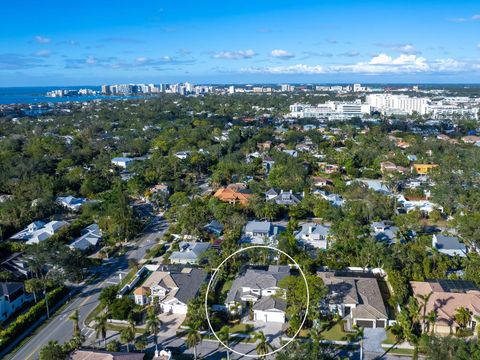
(314, 235)
(90, 236)
(261, 232)
(174, 288)
(256, 287)
(122, 162)
(71, 202)
(39, 231)
(12, 298)
(449, 245)
(182, 154)
(189, 252)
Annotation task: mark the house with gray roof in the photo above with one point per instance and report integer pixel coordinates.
(189, 252)
(174, 288)
(281, 197)
(90, 237)
(356, 299)
(385, 232)
(39, 231)
(214, 227)
(12, 298)
(70, 202)
(449, 245)
(313, 235)
(261, 232)
(257, 286)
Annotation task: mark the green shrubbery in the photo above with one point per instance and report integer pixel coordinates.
(24, 321)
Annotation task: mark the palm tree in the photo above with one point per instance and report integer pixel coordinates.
(224, 336)
(32, 286)
(4, 276)
(127, 336)
(101, 328)
(424, 301)
(193, 339)
(74, 317)
(431, 318)
(263, 345)
(153, 325)
(463, 317)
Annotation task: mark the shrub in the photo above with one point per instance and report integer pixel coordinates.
(24, 321)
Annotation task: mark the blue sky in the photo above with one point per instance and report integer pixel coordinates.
(93, 42)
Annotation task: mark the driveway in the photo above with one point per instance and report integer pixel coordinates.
(171, 322)
(272, 330)
(372, 341)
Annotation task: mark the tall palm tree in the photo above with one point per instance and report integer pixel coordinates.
(263, 347)
(153, 325)
(33, 286)
(431, 318)
(193, 339)
(424, 301)
(463, 317)
(127, 336)
(224, 335)
(74, 317)
(101, 328)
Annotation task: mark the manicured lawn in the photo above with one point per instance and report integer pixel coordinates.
(240, 328)
(334, 331)
(401, 351)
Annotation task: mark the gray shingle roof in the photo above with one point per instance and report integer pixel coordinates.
(188, 283)
(449, 242)
(260, 279)
(190, 250)
(270, 302)
(364, 292)
(9, 288)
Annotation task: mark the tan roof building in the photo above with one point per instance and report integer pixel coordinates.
(233, 194)
(448, 296)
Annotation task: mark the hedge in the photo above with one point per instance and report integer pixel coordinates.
(27, 319)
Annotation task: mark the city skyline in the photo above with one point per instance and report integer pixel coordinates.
(240, 42)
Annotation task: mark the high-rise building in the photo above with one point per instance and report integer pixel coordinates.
(106, 90)
(287, 87)
(389, 103)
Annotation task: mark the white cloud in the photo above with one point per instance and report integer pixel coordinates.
(42, 53)
(292, 69)
(42, 40)
(476, 17)
(380, 64)
(401, 48)
(234, 55)
(91, 60)
(282, 54)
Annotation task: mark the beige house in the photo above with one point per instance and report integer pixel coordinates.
(448, 296)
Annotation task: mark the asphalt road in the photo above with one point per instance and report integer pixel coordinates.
(60, 328)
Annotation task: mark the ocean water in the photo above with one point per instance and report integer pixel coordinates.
(32, 95)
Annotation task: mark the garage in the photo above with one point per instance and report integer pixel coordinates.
(366, 323)
(269, 316)
(380, 323)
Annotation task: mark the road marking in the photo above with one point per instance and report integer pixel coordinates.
(79, 306)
